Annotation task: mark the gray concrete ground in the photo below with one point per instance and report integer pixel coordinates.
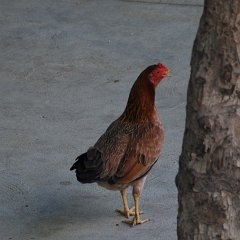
(66, 68)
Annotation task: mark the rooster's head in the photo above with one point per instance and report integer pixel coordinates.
(157, 72)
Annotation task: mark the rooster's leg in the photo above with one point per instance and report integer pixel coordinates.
(126, 211)
(136, 219)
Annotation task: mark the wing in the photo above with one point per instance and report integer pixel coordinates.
(142, 152)
(113, 145)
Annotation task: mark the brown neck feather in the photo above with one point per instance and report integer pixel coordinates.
(141, 102)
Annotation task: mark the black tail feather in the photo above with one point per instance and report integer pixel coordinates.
(88, 166)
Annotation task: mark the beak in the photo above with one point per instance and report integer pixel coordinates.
(169, 73)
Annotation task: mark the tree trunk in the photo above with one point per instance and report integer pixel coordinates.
(208, 180)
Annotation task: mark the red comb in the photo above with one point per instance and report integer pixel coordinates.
(161, 65)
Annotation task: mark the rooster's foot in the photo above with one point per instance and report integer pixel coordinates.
(135, 221)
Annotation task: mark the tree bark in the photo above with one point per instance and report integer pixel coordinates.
(208, 180)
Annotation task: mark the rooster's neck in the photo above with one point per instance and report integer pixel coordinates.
(141, 103)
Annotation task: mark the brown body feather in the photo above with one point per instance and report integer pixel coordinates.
(131, 144)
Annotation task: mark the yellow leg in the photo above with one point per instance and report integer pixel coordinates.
(126, 211)
(136, 220)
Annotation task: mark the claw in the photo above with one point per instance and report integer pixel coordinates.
(135, 221)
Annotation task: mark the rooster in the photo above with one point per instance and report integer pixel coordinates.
(131, 145)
